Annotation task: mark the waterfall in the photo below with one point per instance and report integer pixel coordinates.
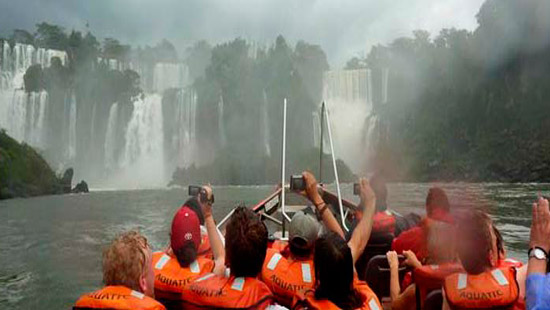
(71, 149)
(169, 75)
(92, 123)
(143, 159)
(133, 153)
(385, 78)
(23, 114)
(369, 87)
(316, 128)
(110, 138)
(186, 138)
(265, 123)
(17, 115)
(348, 95)
(37, 104)
(221, 124)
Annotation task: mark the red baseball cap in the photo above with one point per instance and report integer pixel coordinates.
(185, 228)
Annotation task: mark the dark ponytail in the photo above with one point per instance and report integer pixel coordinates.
(334, 272)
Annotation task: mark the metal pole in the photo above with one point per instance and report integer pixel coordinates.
(342, 216)
(321, 144)
(283, 158)
(222, 222)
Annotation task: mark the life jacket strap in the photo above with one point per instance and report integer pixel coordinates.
(462, 281)
(238, 284)
(274, 261)
(137, 294)
(499, 277)
(162, 262)
(195, 267)
(306, 273)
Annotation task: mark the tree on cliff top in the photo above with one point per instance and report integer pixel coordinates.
(50, 36)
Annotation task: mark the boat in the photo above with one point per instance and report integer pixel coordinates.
(277, 209)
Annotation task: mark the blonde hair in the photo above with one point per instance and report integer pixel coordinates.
(125, 260)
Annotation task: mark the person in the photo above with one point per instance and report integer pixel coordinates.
(483, 285)
(441, 263)
(204, 249)
(181, 263)
(414, 239)
(385, 221)
(337, 285)
(290, 271)
(245, 250)
(128, 277)
(537, 284)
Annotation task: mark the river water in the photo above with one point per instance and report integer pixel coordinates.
(51, 246)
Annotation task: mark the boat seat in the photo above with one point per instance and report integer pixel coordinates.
(377, 275)
(434, 301)
(379, 244)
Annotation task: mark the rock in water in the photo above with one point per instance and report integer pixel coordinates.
(81, 187)
(67, 180)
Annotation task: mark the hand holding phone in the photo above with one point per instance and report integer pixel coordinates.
(204, 195)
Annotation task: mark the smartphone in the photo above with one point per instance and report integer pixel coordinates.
(297, 183)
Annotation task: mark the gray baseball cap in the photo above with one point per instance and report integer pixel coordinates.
(303, 230)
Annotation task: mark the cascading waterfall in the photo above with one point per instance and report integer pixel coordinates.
(348, 96)
(24, 114)
(37, 104)
(92, 122)
(187, 134)
(169, 75)
(132, 152)
(221, 123)
(265, 129)
(110, 138)
(316, 128)
(71, 149)
(142, 164)
(369, 88)
(385, 78)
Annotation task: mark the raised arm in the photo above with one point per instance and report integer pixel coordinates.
(216, 244)
(312, 193)
(361, 234)
(540, 231)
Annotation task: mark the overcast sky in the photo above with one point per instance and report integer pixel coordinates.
(344, 28)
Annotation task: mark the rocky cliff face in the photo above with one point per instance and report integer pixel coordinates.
(23, 172)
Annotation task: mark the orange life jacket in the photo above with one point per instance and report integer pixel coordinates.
(119, 298)
(509, 262)
(308, 301)
(431, 277)
(415, 239)
(497, 288)
(215, 292)
(171, 278)
(278, 245)
(287, 279)
(383, 222)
